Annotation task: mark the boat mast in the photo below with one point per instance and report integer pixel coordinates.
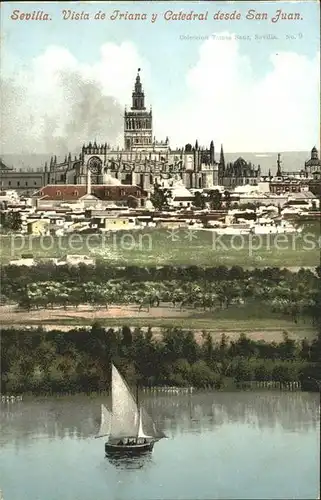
(139, 411)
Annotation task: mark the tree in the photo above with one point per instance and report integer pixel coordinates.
(244, 346)
(282, 373)
(189, 347)
(208, 348)
(262, 372)
(199, 200)
(227, 199)
(201, 375)
(160, 197)
(127, 337)
(287, 348)
(132, 202)
(215, 200)
(243, 371)
(11, 221)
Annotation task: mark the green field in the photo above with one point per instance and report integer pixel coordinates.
(255, 321)
(199, 324)
(179, 247)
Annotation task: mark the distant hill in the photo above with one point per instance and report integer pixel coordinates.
(291, 160)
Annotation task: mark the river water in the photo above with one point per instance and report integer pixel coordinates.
(220, 446)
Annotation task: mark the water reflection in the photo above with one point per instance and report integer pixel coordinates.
(130, 462)
(78, 417)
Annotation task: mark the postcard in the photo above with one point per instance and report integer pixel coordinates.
(160, 283)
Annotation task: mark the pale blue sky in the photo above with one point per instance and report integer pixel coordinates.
(158, 42)
(170, 59)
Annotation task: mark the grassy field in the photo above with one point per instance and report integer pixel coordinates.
(258, 331)
(233, 322)
(179, 247)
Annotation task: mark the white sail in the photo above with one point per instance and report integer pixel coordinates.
(105, 423)
(147, 427)
(125, 420)
(141, 433)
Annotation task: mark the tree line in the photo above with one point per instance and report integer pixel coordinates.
(36, 361)
(102, 272)
(280, 292)
(214, 199)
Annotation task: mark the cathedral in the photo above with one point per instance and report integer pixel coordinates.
(143, 161)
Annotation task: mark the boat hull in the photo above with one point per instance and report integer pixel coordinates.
(128, 450)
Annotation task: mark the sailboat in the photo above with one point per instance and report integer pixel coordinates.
(129, 428)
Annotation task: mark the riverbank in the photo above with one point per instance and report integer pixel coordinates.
(228, 385)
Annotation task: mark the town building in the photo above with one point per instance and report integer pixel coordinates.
(22, 181)
(307, 179)
(38, 227)
(87, 195)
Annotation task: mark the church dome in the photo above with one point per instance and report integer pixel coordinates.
(240, 162)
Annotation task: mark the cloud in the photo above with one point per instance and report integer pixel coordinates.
(227, 102)
(58, 103)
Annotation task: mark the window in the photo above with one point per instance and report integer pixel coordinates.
(26, 183)
(122, 192)
(76, 193)
(9, 183)
(58, 193)
(124, 222)
(35, 183)
(18, 183)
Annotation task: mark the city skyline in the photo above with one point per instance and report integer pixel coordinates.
(63, 88)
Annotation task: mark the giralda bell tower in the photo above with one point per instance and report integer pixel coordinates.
(138, 132)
